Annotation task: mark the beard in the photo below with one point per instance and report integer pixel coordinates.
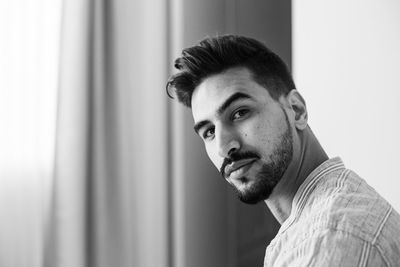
(270, 173)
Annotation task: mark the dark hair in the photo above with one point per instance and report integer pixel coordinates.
(218, 54)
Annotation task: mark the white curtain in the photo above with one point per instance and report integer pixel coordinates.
(109, 202)
(28, 77)
(121, 193)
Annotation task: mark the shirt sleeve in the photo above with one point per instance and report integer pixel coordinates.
(334, 248)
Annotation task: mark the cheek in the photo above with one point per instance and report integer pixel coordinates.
(214, 157)
(258, 135)
(258, 138)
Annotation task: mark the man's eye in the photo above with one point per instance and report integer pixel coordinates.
(208, 133)
(239, 114)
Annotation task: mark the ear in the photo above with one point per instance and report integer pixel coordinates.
(298, 105)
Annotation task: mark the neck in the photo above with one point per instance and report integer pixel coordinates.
(306, 157)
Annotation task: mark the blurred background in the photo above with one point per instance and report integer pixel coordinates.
(99, 168)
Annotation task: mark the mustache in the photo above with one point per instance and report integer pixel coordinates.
(235, 157)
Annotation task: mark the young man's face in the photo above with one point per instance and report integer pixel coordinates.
(246, 132)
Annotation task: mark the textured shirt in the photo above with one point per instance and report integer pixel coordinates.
(337, 219)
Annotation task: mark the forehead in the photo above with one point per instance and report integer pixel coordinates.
(209, 95)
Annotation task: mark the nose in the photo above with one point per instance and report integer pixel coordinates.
(228, 141)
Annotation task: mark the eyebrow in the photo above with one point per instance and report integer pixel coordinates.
(233, 98)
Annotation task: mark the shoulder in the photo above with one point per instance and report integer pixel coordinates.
(344, 220)
(347, 214)
(328, 247)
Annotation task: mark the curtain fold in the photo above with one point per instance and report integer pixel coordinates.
(110, 190)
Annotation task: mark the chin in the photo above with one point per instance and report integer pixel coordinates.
(253, 192)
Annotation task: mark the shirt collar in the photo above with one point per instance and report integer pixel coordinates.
(306, 188)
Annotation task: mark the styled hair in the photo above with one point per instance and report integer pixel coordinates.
(217, 54)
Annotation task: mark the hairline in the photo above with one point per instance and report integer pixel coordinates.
(253, 76)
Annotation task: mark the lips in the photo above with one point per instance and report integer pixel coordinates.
(239, 167)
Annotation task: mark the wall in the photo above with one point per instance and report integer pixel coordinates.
(346, 64)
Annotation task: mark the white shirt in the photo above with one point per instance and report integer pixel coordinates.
(337, 219)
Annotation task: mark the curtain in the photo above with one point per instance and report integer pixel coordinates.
(109, 204)
(28, 63)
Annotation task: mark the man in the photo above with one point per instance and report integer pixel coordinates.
(253, 123)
